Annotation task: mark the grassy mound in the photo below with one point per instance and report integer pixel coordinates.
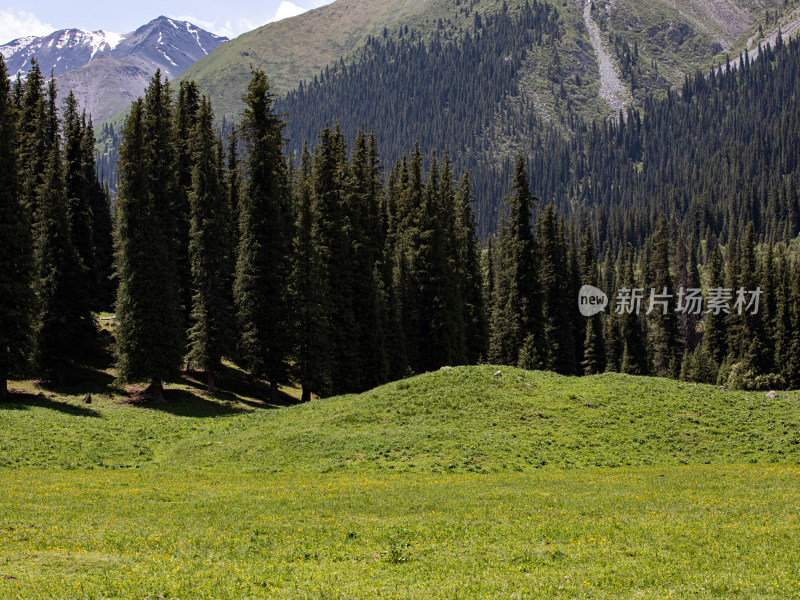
(465, 419)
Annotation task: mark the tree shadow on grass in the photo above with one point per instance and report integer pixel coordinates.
(83, 380)
(26, 401)
(239, 387)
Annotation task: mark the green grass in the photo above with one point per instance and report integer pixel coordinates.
(459, 420)
(452, 484)
(690, 532)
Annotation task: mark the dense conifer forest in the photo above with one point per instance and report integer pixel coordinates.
(340, 261)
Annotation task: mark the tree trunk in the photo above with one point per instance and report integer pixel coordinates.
(156, 391)
(273, 391)
(212, 389)
(4, 395)
(306, 397)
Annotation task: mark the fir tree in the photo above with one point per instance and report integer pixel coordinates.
(518, 334)
(187, 110)
(635, 359)
(149, 335)
(265, 220)
(63, 321)
(102, 228)
(210, 252)
(79, 206)
(309, 349)
(362, 205)
(16, 259)
(594, 350)
(666, 355)
(715, 337)
(553, 279)
(470, 281)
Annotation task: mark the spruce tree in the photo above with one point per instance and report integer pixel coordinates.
(16, 258)
(63, 321)
(265, 220)
(210, 252)
(79, 206)
(362, 205)
(309, 348)
(594, 350)
(102, 227)
(470, 281)
(32, 135)
(149, 334)
(666, 350)
(715, 337)
(635, 359)
(553, 274)
(518, 335)
(186, 111)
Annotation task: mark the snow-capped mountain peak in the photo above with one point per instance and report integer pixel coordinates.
(60, 51)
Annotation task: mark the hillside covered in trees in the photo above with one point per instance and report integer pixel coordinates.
(341, 269)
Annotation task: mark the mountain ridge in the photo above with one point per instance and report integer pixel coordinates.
(107, 71)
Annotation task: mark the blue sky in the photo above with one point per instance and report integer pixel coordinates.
(228, 17)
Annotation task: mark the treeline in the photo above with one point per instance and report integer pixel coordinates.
(313, 272)
(55, 230)
(322, 272)
(679, 306)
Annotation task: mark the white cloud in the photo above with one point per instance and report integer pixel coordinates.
(287, 10)
(229, 28)
(18, 23)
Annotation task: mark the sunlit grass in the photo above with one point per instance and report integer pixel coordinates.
(699, 532)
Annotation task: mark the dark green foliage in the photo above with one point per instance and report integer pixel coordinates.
(265, 221)
(210, 251)
(634, 359)
(470, 282)
(16, 247)
(518, 331)
(187, 110)
(78, 196)
(661, 307)
(33, 143)
(558, 301)
(63, 322)
(149, 334)
(594, 349)
(102, 228)
(715, 338)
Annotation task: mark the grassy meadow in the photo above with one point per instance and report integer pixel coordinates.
(453, 484)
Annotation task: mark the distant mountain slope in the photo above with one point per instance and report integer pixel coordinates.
(671, 38)
(106, 70)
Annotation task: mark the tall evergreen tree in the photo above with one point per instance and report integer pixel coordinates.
(210, 252)
(150, 334)
(666, 352)
(63, 322)
(79, 206)
(16, 247)
(362, 205)
(309, 349)
(187, 109)
(32, 132)
(635, 359)
(470, 281)
(518, 334)
(102, 227)
(553, 274)
(265, 221)
(594, 350)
